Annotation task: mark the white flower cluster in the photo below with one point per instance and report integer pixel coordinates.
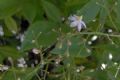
(21, 63)
(4, 67)
(20, 37)
(76, 21)
(35, 51)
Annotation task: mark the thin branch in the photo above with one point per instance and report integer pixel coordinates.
(97, 33)
(118, 69)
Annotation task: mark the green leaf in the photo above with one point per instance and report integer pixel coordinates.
(9, 7)
(13, 73)
(52, 11)
(103, 13)
(101, 75)
(71, 6)
(117, 11)
(11, 24)
(31, 73)
(8, 76)
(7, 32)
(8, 51)
(39, 34)
(29, 11)
(89, 11)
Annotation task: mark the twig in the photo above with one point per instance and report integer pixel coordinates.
(118, 69)
(97, 33)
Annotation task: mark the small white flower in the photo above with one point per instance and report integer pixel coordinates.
(94, 38)
(21, 65)
(57, 62)
(21, 62)
(94, 20)
(1, 31)
(4, 67)
(110, 30)
(76, 21)
(35, 51)
(20, 37)
(88, 50)
(103, 66)
(89, 43)
(77, 70)
(110, 56)
(115, 63)
(33, 41)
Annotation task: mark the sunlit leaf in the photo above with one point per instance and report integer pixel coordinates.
(52, 11)
(11, 24)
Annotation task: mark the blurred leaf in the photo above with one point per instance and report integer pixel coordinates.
(52, 11)
(29, 10)
(39, 34)
(103, 16)
(7, 32)
(118, 9)
(117, 17)
(103, 13)
(9, 7)
(90, 10)
(11, 24)
(80, 60)
(8, 76)
(31, 73)
(71, 6)
(65, 28)
(13, 73)
(102, 51)
(114, 50)
(8, 51)
(101, 75)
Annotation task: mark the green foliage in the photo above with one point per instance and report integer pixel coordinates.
(9, 7)
(11, 25)
(7, 51)
(84, 57)
(52, 11)
(38, 35)
(29, 11)
(90, 10)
